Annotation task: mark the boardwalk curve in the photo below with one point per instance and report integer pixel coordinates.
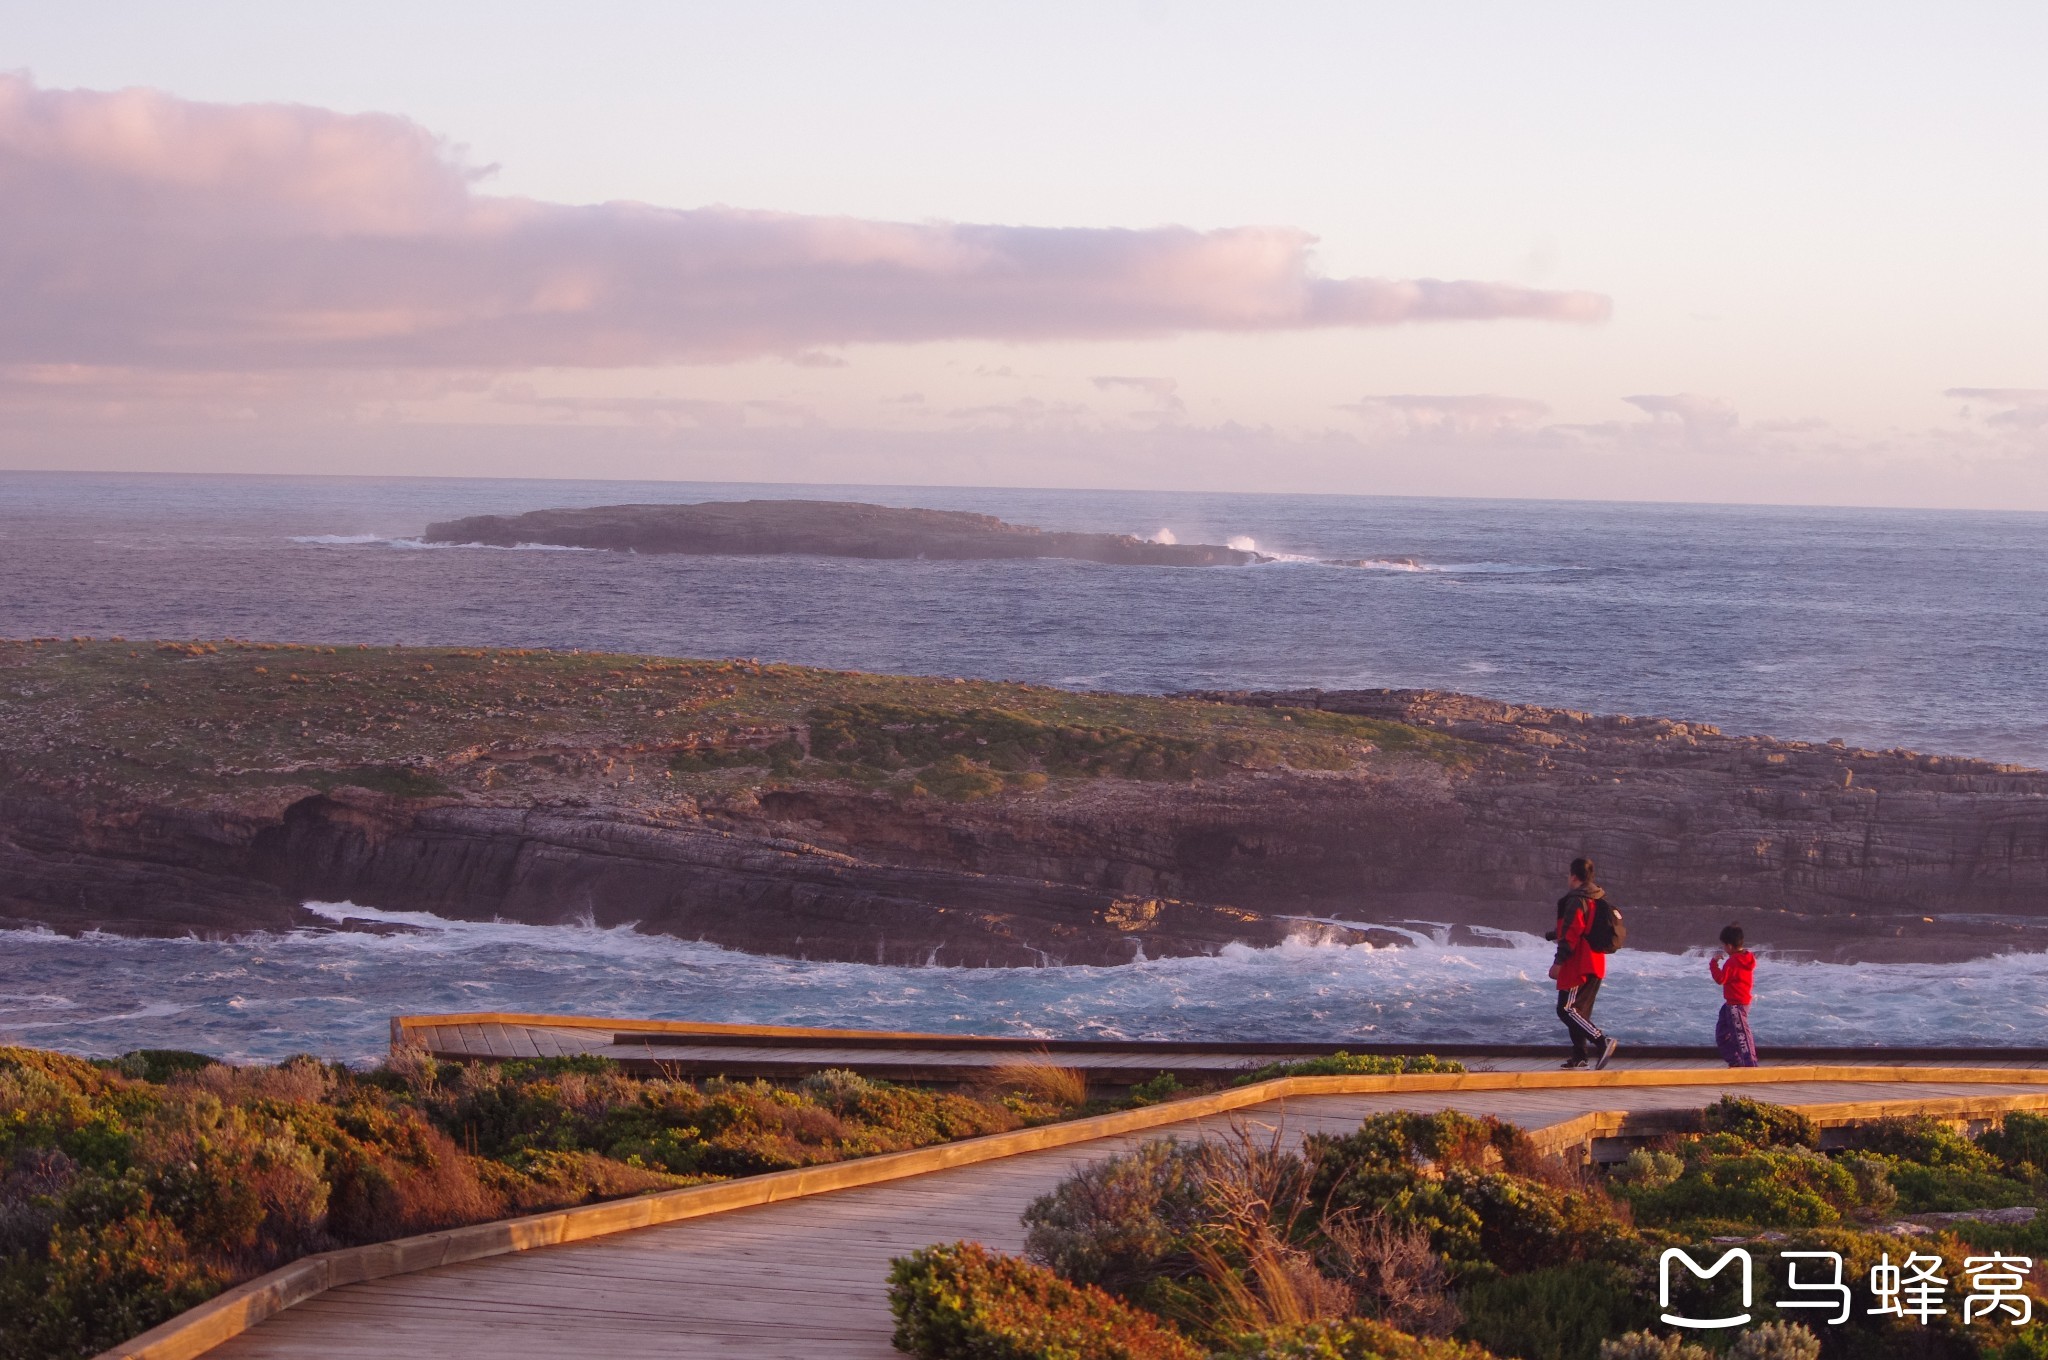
(792, 1266)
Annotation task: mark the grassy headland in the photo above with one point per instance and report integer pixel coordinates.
(191, 721)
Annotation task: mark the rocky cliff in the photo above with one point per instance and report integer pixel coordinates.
(214, 787)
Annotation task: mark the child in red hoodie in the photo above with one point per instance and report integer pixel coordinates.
(1733, 968)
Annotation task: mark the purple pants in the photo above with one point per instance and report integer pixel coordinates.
(1732, 1036)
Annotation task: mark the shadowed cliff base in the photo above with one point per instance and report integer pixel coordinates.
(823, 529)
(212, 787)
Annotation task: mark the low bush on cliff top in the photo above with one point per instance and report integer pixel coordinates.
(964, 1302)
(132, 1190)
(1443, 1237)
(1343, 1064)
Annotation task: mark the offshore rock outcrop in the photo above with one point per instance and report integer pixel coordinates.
(820, 528)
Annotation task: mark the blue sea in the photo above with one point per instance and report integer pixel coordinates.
(1920, 629)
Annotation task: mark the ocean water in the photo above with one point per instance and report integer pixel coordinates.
(1886, 628)
(329, 992)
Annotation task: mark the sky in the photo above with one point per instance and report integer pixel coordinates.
(1730, 252)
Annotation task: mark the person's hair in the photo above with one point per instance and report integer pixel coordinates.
(1582, 869)
(1732, 936)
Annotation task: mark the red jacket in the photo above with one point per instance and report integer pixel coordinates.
(1576, 960)
(1734, 976)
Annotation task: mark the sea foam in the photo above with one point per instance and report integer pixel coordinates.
(327, 991)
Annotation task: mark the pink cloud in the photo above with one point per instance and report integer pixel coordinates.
(1698, 414)
(2021, 408)
(1409, 413)
(1163, 391)
(138, 228)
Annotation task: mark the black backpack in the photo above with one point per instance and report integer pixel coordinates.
(1607, 932)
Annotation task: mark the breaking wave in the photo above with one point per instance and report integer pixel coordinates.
(329, 990)
(420, 544)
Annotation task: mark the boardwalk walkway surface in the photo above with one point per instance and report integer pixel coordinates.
(685, 1049)
(806, 1279)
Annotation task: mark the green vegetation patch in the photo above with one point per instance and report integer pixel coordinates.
(1443, 1237)
(131, 1190)
(189, 720)
(896, 736)
(1343, 1064)
(964, 1300)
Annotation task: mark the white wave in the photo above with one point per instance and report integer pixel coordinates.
(1308, 987)
(35, 1001)
(1163, 536)
(421, 545)
(1242, 543)
(1413, 566)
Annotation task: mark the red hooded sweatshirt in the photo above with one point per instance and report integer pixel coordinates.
(1734, 976)
(1577, 960)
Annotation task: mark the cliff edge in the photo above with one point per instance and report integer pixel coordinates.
(213, 787)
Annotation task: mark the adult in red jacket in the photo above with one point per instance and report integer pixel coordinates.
(1579, 969)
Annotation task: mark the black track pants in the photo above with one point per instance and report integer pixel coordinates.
(1575, 1008)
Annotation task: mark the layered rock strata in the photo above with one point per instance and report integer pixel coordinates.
(1842, 852)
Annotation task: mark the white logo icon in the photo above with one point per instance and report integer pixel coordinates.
(1664, 1286)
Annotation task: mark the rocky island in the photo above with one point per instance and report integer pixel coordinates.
(820, 528)
(173, 787)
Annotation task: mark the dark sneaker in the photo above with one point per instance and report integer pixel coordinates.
(1573, 1062)
(1607, 1050)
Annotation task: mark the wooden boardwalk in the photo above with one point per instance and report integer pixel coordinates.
(805, 1279)
(686, 1049)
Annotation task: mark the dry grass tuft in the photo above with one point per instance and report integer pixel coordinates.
(1040, 1079)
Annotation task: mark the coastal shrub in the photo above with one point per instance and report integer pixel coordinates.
(1775, 1341)
(964, 1302)
(1651, 1346)
(1124, 1222)
(2020, 1144)
(1726, 1181)
(1342, 1064)
(1477, 1188)
(1557, 1313)
(1916, 1138)
(1393, 1273)
(96, 1286)
(1865, 1335)
(1351, 1339)
(1759, 1123)
(160, 1064)
(1153, 1090)
(134, 1188)
(1648, 1168)
(1935, 1169)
